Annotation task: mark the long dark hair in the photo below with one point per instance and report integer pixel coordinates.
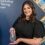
(32, 17)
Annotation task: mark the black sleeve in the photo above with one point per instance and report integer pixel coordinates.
(39, 31)
(15, 25)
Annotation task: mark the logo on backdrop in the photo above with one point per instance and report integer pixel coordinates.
(5, 3)
(41, 4)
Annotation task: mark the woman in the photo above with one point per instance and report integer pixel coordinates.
(29, 31)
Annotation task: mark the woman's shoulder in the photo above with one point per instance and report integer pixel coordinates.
(19, 19)
(38, 22)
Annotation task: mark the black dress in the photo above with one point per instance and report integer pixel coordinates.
(27, 29)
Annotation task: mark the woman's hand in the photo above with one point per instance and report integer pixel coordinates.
(18, 40)
(13, 43)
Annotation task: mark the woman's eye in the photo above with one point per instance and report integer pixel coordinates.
(28, 7)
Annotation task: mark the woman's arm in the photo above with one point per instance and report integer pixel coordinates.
(34, 41)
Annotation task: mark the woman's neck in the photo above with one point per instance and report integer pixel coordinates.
(27, 18)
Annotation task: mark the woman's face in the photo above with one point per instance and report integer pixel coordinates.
(27, 10)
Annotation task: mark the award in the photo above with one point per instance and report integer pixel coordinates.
(12, 35)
